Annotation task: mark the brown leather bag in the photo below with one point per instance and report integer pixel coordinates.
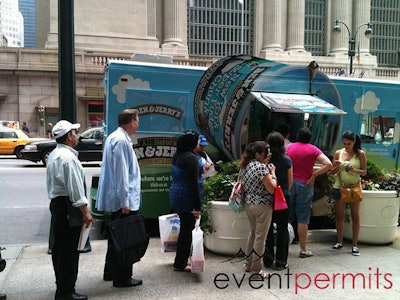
(350, 193)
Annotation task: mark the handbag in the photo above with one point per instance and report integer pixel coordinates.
(236, 199)
(350, 192)
(197, 258)
(129, 238)
(279, 199)
(169, 226)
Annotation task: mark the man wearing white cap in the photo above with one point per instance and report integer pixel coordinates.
(69, 207)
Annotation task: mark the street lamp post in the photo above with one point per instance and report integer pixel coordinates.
(242, 27)
(352, 38)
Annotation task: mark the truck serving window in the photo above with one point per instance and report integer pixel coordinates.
(377, 129)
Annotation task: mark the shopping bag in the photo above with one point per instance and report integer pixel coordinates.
(236, 199)
(129, 238)
(279, 199)
(197, 258)
(169, 226)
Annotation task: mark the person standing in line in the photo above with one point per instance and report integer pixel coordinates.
(284, 129)
(351, 162)
(25, 127)
(304, 156)
(186, 194)
(119, 190)
(284, 173)
(259, 183)
(49, 129)
(69, 207)
(205, 160)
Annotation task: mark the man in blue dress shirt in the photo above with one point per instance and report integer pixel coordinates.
(119, 189)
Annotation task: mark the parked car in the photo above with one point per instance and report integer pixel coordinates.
(90, 147)
(12, 141)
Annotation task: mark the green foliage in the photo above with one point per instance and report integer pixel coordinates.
(218, 188)
(373, 171)
(380, 180)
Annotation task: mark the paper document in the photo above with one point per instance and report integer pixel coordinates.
(84, 236)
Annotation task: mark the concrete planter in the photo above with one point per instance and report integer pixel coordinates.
(379, 212)
(231, 229)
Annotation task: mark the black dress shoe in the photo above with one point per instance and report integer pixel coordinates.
(128, 283)
(73, 296)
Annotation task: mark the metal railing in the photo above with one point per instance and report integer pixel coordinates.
(23, 59)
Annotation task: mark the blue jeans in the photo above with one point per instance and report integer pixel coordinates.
(301, 202)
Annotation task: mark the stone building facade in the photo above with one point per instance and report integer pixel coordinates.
(117, 29)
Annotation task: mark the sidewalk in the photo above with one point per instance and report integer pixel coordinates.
(29, 274)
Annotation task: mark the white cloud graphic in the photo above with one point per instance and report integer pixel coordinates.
(367, 103)
(125, 82)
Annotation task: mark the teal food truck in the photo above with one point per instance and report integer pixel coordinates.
(240, 99)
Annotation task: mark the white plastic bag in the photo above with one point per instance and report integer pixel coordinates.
(169, 231)
(291, 233)
(197, 258)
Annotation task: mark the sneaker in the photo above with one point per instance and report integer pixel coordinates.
(355, 251)
(337, 246)
(281, 267)
(304, 254)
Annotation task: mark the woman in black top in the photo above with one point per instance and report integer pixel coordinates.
(284, 173)
(186, 194)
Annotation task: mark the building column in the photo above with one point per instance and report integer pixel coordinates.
(151, 18)
(296, 25)
(362, 9)
(272, 29)
(174, 28)
(341, 10)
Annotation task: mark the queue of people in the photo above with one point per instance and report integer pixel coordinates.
(263, 166)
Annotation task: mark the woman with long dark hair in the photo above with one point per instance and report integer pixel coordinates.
(259, 183)
(284, 173)
(349, 163)
(186, 194)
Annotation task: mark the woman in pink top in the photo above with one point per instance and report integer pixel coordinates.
(303, 156)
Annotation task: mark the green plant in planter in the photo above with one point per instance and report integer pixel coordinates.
(218, 188)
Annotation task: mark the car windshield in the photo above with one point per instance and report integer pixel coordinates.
(92, 133)
(6, 133)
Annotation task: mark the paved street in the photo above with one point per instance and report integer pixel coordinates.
(328, 275)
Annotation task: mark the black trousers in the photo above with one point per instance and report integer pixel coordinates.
(282, 240)
(65, 255)
(120, 272)
(184, 240)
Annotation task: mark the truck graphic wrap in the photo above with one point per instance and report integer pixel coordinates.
(230, 104)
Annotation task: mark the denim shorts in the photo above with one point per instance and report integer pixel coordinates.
(301, 202)
(336, 194)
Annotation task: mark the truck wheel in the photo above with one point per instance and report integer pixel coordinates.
(45, 157)
(17, 152)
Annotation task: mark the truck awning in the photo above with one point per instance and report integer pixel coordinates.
(297, 103)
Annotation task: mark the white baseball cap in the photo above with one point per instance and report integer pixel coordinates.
(63, 127)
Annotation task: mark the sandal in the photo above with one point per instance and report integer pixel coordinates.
(263, 274)
(185, 269)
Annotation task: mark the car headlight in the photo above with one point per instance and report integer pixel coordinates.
(30, 148)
